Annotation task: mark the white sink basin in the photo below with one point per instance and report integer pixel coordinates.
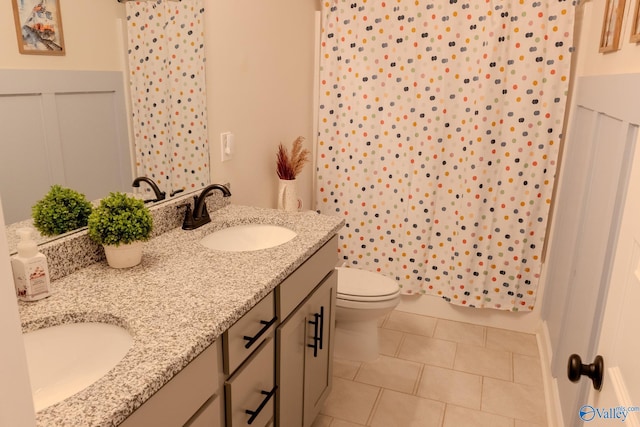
(66, 359)
(249, 237)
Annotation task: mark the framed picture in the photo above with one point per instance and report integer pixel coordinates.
(635, 25)
(612, 25)
(38, 27)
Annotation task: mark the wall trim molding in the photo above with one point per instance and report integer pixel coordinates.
(551, 394)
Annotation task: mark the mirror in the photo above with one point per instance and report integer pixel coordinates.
(62, 127)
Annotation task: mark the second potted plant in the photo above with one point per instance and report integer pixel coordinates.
(121, 223)
(60, 210)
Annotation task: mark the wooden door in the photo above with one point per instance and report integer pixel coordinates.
(602, 140)
(619, 345)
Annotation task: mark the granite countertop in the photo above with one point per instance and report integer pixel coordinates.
(176, 303)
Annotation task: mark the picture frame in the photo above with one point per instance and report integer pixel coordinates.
(635, 25)
(611, 26)
(38, 27)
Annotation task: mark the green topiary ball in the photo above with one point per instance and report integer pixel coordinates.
(61, 210)
(120, 219)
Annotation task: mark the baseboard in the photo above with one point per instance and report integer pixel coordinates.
(429, 305)
(551, 396)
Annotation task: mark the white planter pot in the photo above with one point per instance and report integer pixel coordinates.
(124, 256)
(288, 195)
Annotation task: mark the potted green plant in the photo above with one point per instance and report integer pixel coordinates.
(120, 224)
(61, 210)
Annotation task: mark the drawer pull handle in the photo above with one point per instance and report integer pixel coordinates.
(256, 337)
(254, 414)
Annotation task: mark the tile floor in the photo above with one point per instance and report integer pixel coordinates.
(440, 373)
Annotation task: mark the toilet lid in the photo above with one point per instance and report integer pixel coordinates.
(360, 285)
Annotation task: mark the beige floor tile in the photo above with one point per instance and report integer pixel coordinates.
(449, 386)
(473, 376)
(341, 423)
(382, 320)
(521, 423)
(411, 323)
(519, 401)
(460, 332)
(428, 350)
(322, 421)
(456, 416)
(350, 401)
(344, 368)
(527, 370)
(483, 361)
(403, 410)
(389, 341)
(516, 342)
(391, 373)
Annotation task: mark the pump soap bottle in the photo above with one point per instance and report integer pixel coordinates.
(30, 270)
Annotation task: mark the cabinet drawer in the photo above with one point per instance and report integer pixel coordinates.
(183, 395)
(241, 339)
(295, 288)
(250, 392)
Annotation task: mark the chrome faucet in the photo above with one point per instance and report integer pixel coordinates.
(160, 195)
(200, 216)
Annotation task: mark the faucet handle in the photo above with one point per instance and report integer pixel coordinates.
(188, 223)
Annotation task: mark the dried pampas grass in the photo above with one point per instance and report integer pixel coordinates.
(288, 165)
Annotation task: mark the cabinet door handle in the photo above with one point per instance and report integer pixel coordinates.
(316, 339)
(321, 326)
(254, 414)
(256, 337)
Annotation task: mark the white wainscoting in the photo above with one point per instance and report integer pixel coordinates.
(61, 127)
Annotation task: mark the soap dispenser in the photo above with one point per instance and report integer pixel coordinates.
(30, 270)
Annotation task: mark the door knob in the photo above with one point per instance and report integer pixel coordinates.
(595, 370)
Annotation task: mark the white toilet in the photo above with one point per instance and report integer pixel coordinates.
(362, 299)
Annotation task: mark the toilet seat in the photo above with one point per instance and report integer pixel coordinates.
(364, 286)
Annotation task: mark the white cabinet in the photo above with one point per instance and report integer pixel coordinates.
(191, 398)
(209, 415)
(291, 338)
(250, 392)
(246, 335)
(305, 350)
(305, 339)
(249, 363)
(318, 360)
(275, 362)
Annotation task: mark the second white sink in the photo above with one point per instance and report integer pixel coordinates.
(248, 237)
(65, 359)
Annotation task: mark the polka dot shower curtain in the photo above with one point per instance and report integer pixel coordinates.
(439, 131)
(167, 81)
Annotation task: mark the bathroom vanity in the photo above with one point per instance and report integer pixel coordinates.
(220, 338)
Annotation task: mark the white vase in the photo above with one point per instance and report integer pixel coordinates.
(288, 195)
(123, 256)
